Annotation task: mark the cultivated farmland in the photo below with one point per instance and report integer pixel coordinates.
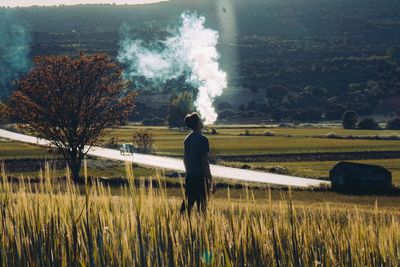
(231, 147)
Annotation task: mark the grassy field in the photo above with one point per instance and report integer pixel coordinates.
(231, 145)
(56, 225)
(229, 141)
(15, 150)
(126, 131)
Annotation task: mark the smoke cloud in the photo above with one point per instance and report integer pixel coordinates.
(14, 52)
(190, 52)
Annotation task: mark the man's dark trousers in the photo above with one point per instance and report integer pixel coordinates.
(196, 192)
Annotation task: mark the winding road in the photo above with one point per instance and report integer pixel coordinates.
(177, 164)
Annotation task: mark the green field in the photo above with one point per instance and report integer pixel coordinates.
(170, 143)
(15, 150)
(126, 131)
(229, 142)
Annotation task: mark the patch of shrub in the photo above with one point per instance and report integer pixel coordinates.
(394, 136)
(143, 142)
(112, 143)
(393, 124)
(350, 119)
(269, 133)
(278, 169)
(361, 137)
(214, 131)
(273, 169)
(246, 167)
(368, 124)
(245, 133)
(331, 135)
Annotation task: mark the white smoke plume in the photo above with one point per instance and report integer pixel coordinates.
(190, 52)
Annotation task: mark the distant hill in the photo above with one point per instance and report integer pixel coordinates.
(286, 59)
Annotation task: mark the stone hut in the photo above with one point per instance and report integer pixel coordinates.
(349, 176)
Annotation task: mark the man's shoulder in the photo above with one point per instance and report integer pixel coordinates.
(201, 136)
(196, 136)
(204, 137)
(189, 137)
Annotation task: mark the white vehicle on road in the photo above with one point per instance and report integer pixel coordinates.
(126, 149)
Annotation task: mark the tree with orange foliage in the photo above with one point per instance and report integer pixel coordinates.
(3, 112)
(72, 102)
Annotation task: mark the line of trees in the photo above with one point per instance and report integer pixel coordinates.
(350, 121)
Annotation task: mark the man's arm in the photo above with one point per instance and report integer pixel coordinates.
(204, 159)
(206, 166)
(185, 162)
(207, 172)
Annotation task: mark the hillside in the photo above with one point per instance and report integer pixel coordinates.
(286, 59)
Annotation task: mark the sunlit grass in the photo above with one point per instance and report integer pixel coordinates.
(63, 225)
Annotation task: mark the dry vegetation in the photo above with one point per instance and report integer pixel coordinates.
(64, 225)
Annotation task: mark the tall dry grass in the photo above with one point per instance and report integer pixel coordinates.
(50, 224)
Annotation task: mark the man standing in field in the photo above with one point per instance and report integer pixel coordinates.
(198, 176)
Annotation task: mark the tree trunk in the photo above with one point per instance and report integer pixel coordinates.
(75, 163)
(75, 169)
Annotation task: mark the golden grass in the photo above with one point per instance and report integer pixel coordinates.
(64, 225)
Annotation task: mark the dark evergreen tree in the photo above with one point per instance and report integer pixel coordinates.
(350, 119)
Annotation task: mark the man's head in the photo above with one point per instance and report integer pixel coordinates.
(193, 121)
